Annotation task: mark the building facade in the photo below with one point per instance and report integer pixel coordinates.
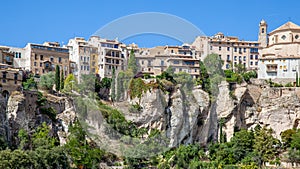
(230, 49)
(280, 59)
(156, 60)
(44, 58)
(10, 79)
(6, 56)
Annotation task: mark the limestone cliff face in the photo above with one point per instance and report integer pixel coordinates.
(182, 115)
(23, 112)
(276, 108)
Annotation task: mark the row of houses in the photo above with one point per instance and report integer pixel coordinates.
(274, 55)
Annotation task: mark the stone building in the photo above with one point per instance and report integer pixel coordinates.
(6, 57)
(280, 59)
(10, 79)
(156, 60)
(43, 58)
(231, 50)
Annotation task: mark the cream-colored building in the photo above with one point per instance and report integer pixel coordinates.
(156, 60)
(112, 55)
(280, 59)
(230, 49)
(84, 56)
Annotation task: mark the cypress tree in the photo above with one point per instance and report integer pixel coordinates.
(113, 85)
(62, 78)
(297, 80)
(57, 78)
(132, 63)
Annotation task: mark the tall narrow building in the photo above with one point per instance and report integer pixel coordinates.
(263, 34)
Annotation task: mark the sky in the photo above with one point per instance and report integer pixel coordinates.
(36, 21)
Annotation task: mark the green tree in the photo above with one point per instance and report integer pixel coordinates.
(203, 79)
(70, 83)
(132, 63)
(57, 78)
(62, 79)
(29, 84)
(47, 81)
(23, 139)
(113, 85)
(214, 64)
(242, 144)
(265, 145)
(297, 80)
(81, 153)
(286, 137)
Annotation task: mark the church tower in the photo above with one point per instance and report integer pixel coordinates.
(263, 35)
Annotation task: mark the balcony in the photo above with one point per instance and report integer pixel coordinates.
(272, 68)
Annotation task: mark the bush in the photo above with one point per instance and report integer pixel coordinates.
(289, 85)
(135, 108)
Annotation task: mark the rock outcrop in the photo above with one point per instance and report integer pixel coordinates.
(258, 104)
(23, 112)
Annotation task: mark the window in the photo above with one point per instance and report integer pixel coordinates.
(59, 59)
(88, 59)
(142, 62)
(256, 63)
(176, 62)
(245, 49)
(227, 66)
(211, 47)
(51, 58)
(93, 64)
(81, 68)
(297, 36)
(262, 30)
(81, 58)
(220, 48)
(244, 58)
(235, 57)
(172, 51)
(251, 63)
(244, 65)
(88, 68)
(256, 57)
(228, 57)
(162, 63)
(16, 76)
(240, 58)
(4, 77)
(283, 37)
(41, 57)
(228, 48)
(251, 56)
(34, 63)
(235, 49)
(41, 64)
(35, 56)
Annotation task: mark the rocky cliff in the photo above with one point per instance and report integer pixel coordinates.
(29, 109)
(258, 104)
(184, 116)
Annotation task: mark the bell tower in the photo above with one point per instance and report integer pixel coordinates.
(263, 35)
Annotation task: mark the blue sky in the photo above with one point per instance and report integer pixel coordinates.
(37, 21)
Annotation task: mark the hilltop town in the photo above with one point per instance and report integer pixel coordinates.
(219, 102)
(274, 56)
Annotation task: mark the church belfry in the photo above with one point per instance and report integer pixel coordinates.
(263, 33)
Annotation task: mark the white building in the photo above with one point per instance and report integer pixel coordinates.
(280, 59)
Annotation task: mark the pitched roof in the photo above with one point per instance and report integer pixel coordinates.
(287, 26)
